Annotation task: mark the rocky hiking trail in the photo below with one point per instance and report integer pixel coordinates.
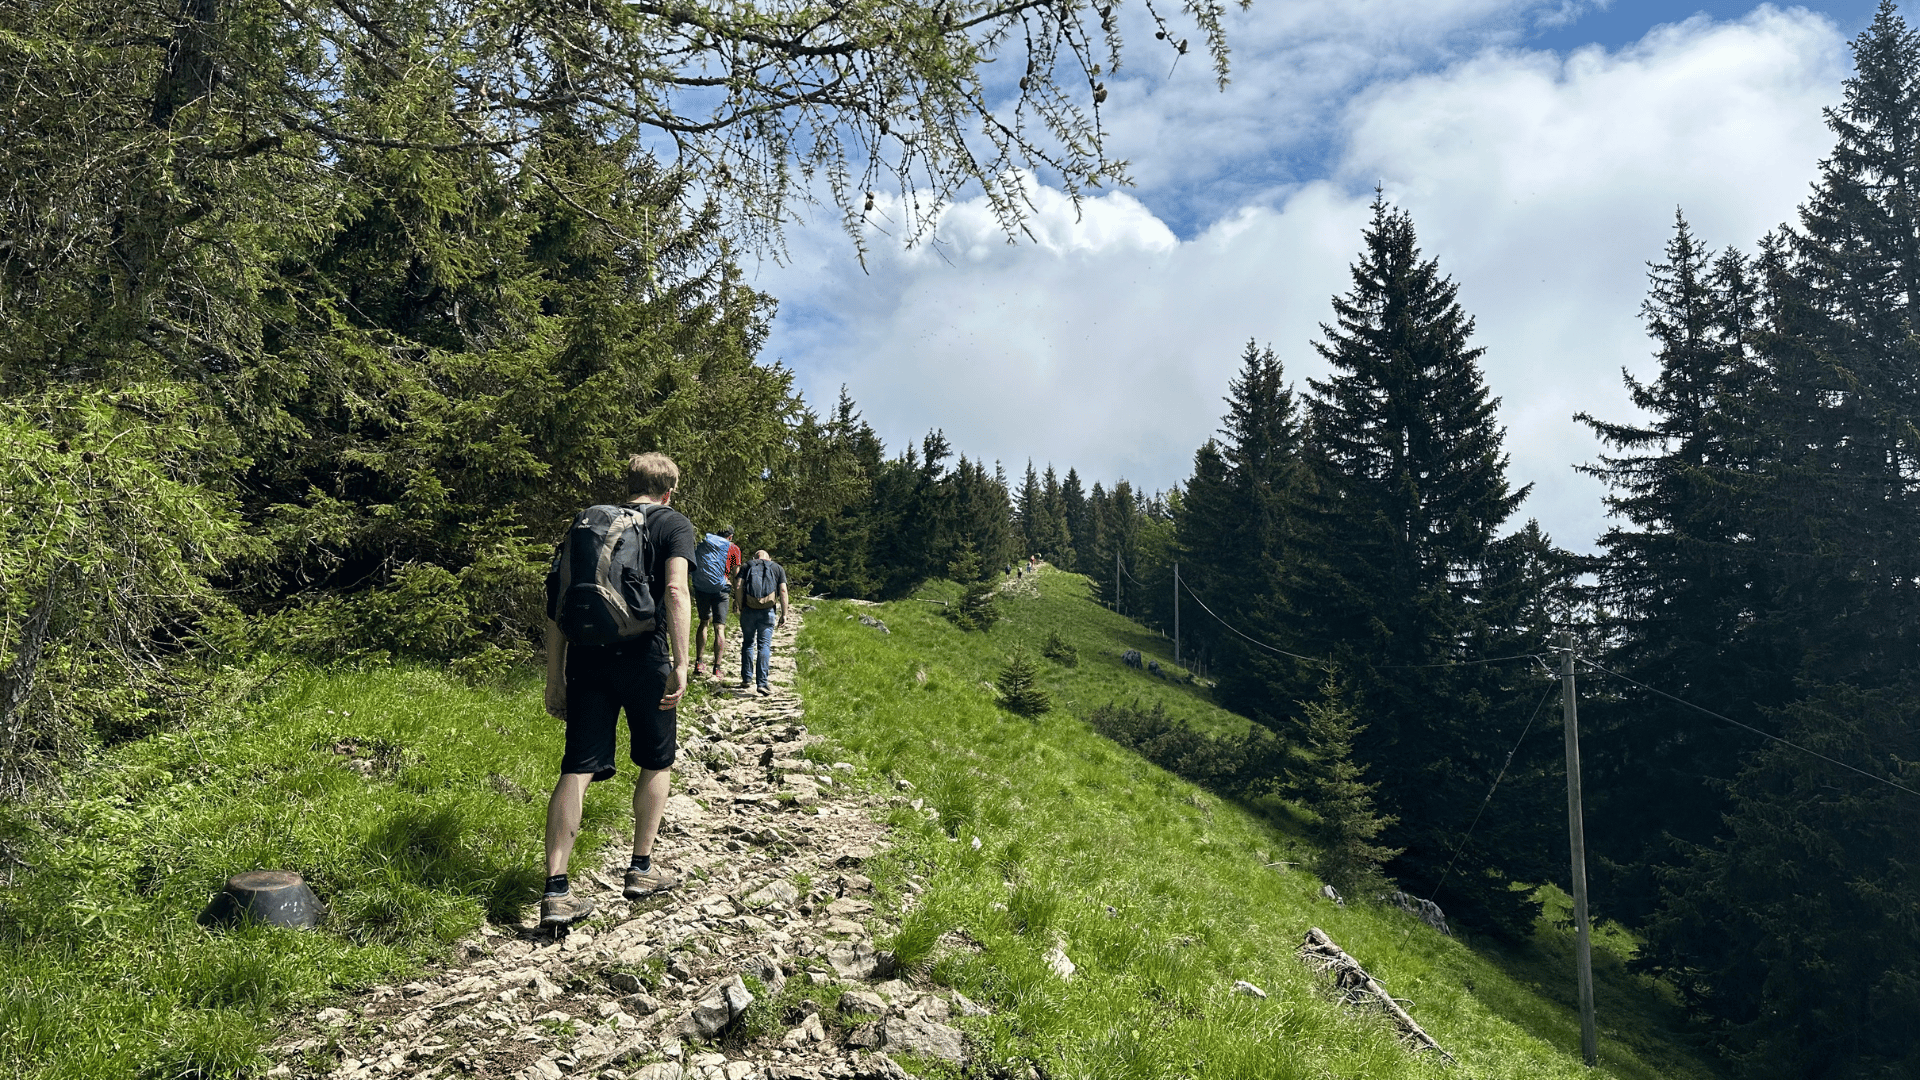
(687, 985)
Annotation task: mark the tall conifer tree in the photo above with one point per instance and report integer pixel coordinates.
(1411, 491)
(1238, 535)
(1794, 928)
(1073, 502)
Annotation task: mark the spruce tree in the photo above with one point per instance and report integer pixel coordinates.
(1060, 650)
(1032, 509)
(1794, 932)
(1019, 685)
(1793, 927)
(1056, 542)
(1410, 490)
(978, 606)
(1677, 583)
(1237, 536)
(1346, 826)
(1073, 502)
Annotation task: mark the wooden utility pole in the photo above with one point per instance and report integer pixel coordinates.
(1176, 613)
(1577, 835)
(1116, 581)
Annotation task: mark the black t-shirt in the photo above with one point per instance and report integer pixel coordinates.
(669, 533)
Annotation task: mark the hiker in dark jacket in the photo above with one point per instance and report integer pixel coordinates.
(588, 685)
(761, 587)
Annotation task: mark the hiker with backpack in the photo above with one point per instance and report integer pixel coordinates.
(762, 587)
(618, 612)
(715, 563)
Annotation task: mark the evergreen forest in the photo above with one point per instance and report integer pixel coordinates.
(319, 321)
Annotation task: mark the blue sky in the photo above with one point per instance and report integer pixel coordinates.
(1541, 146)
(1624, 22)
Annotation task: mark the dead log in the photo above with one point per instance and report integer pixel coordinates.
(1358, 988)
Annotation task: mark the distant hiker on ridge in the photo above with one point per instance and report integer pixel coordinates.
(715, 564)
(617, 621)
(762, 585)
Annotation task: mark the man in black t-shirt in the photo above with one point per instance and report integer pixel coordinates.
(589, 685)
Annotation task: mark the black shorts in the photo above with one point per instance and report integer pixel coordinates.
(712, 607)
(601, 681)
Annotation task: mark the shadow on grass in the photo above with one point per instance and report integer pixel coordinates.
(1635, 1010)
(425, 854)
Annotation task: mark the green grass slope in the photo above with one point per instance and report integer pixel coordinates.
(1049, 835)
(410, 800)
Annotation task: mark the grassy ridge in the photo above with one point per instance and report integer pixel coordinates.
(411, 801)
(1157, 891)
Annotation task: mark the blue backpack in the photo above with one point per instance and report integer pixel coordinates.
(710, 564)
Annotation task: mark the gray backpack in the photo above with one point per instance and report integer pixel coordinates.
(597, 589)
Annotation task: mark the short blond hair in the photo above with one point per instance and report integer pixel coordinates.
(652, 475)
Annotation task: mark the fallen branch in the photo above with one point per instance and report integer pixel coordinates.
(1360, 989)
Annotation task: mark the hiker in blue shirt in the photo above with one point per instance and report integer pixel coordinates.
(715, 564)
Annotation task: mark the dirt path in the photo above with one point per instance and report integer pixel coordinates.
(772, 844)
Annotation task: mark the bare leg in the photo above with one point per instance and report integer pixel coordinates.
(564, 808)
(649, 800)
(719, 644)
(700, 642)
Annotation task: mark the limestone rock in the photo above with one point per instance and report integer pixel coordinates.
(968, 1007)
(857, 960)
(715, 1008)
(682, 809)
(660, 1070)
(1057, 961)
(780, 893)
(809, 1031)
(1242, 986)
(862, 1003)
(1426, 910)
(912, 1034)
(767, 970)
(866, 1036)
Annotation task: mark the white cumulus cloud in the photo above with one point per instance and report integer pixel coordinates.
(1542, 182)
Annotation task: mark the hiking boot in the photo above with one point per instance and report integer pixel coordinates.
(564, 910)
(765, 690)
(644, 883)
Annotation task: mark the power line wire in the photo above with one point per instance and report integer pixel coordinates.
(1504, 766)
(1323, 663)
(1203, 607)
(1750, 727)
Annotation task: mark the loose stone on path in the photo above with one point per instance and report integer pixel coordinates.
(626, 995)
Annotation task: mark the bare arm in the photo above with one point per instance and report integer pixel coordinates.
(679, 615)
(783, 601)
(556, 671)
